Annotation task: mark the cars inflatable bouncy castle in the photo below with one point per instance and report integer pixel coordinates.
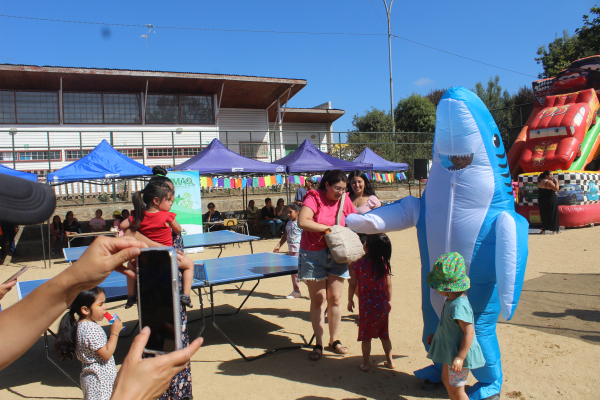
(557, 132)
(467, 207)
(562, 135)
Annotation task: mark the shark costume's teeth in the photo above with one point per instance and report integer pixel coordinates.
(456, 162)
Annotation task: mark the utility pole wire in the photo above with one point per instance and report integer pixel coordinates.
(278, 32)
(377, 12)
(466, 58)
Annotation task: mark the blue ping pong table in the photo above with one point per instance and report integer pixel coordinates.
(239, 269)
(218, 238)
(207, 274)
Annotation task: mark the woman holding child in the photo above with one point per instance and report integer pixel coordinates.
(317, 268)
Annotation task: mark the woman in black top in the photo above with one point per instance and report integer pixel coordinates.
(548, 201)
(71, 224)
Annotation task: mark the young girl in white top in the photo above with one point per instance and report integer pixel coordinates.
(84, 338)
(292, 236)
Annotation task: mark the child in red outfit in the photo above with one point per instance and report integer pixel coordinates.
(152, 218)
(372, 276)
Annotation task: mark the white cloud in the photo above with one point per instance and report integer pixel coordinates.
(423, 82)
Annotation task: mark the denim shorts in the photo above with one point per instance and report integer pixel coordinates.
(315, 265)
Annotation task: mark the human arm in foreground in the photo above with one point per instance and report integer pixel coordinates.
(22, 324)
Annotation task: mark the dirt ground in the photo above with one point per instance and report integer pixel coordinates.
(550, 349)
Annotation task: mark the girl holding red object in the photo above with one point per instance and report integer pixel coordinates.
(85, 339)
(152, 218)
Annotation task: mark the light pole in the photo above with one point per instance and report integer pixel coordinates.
(388, 11)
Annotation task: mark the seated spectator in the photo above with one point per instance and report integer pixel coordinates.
(267, 215)
(70, 224)
(57, 232)
(213, 216)
(97, 224)
(252, 216)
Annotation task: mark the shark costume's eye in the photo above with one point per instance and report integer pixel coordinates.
(496, 140)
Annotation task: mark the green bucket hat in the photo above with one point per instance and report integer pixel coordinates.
(449, 274)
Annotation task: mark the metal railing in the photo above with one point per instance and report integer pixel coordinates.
(44, 151)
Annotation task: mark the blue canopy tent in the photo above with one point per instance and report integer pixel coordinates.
(216, 159)
(307, 158)
(19, 174)
(104, 162)
(379, 163)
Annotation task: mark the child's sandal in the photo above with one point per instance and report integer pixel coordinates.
(338, 348)
(186, 300)
(316, 353)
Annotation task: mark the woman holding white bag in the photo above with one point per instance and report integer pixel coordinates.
(317, 267)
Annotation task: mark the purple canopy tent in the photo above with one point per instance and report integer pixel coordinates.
(379, 163)
(216, 159)
(307, 158)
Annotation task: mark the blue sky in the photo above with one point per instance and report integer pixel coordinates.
(350, 71)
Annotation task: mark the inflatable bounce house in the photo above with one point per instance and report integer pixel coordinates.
(562, 135)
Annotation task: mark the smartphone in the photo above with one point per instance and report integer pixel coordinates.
(15, 276)
(158, 299)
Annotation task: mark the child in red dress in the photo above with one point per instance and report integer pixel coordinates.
(151, 217)
(372, 275)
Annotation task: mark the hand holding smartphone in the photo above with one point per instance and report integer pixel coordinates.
(159, 299)
(15, 276)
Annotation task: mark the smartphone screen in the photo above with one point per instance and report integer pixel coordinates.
(155, 299)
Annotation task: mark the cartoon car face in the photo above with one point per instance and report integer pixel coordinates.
(570, 80)
(593, 191)
(570, 194)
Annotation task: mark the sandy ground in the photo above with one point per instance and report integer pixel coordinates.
(550, 349)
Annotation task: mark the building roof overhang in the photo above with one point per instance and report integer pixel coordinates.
(307, 115)
(238, 91)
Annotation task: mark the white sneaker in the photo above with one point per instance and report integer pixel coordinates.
(293, 295)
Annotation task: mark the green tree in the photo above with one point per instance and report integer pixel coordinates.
(415, 113)
(435, 95)
(373, 121)
(492, 95)
(559, 54)
(564, 50)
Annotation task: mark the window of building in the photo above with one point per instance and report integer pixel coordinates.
(37, 107)
(71, 155)
(168, 152)
(183, 109)
(7, 107)
(132, 153)
(6, 156)
(162, 109)
(122, 108)
(190, 151)
(254, 149)
(197, 110)
(38, 155)
(82, 108)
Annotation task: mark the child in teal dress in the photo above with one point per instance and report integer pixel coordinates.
(454, 343)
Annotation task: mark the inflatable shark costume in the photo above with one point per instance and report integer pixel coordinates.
(467, 207)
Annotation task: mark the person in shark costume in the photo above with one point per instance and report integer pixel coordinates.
(467, 207)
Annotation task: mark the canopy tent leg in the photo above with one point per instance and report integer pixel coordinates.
(43, 245)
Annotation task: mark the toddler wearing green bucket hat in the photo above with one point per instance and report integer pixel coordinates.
(449, 274)
(454, 343)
